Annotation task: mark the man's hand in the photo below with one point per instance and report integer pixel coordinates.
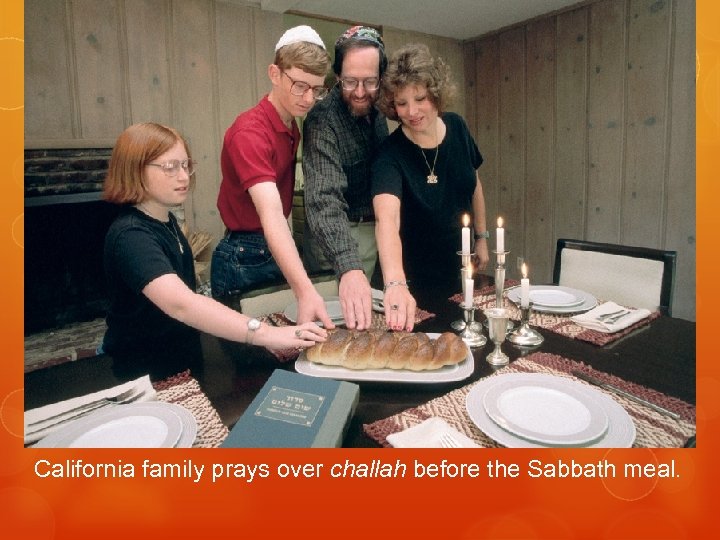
(356, 299)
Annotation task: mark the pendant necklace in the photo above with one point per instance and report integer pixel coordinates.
(170, 227)
(173, 231)
(432, 177)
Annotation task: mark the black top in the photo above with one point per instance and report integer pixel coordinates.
(430, 214)
(139, 249)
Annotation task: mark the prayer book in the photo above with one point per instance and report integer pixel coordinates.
(296, 411)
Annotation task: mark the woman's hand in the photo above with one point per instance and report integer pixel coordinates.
(311, 307)
(481, 257)
(400, 308)
(289, 337)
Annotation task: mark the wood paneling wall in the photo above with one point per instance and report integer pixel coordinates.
(93, 67)
(586, 120)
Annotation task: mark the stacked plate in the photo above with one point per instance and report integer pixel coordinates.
(332, 305)
(457, 372)
(555, 299)
(135, 425)
(534, 410)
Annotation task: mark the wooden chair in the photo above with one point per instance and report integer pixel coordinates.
(632, 276)
(276, 297)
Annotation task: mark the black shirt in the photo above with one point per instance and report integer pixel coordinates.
(430, 214)
(139, 249)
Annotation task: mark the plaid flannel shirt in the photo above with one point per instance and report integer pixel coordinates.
(338, 150)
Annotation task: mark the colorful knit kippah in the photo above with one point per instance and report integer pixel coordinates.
(361, 33)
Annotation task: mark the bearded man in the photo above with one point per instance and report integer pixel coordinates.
(341, 136)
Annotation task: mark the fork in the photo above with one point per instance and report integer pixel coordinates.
(448, 441)
(616, 318)
(611, 315)
(123, 397)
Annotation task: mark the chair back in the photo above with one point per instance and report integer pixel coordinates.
(276, 298)
(632, 276)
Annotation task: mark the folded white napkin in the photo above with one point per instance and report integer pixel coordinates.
(427, 435)
(44, 420)
(590, 318)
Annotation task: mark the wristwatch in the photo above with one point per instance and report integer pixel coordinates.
(484, 234)
(252, 326)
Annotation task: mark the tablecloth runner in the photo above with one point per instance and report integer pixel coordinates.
(378, 323)
(183, 389)
(559, 323)
(654, 430)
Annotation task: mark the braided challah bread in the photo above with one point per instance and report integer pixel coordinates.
(397, 350)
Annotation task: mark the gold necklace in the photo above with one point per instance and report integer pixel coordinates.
(432, 177)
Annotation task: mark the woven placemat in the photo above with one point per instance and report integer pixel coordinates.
(654, 430)
(183, 389)
(559, 323)
(378, 323)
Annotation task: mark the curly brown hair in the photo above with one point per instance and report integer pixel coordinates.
(413, 64)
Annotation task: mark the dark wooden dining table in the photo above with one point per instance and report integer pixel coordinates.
(660, 355)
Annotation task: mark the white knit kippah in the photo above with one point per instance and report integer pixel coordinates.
(297, 34)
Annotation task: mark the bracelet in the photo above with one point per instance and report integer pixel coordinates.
(484, 234)
(395, 284)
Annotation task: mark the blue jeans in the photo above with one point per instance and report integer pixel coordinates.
(242, 262)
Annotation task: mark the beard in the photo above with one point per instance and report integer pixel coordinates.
(359, 109)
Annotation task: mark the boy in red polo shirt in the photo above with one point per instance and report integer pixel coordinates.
(258, 168)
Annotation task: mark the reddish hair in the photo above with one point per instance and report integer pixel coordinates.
(137, 146)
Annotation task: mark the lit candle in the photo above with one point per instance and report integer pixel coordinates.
(524, 288)
(469, 286)
(500, 238)
(466, 235)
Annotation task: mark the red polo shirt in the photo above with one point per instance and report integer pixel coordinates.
(258, 147)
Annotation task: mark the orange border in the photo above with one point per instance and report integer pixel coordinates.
(34, 507)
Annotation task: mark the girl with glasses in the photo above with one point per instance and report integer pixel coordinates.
(155, 312)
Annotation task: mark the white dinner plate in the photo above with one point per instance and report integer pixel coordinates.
(588, 301)
(620, 431)
(332, 305)
(457, 372)
(190, 428)
(552, 297)
(134, 425)
(555, 412)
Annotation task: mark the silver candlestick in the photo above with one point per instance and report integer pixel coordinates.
(500, 284)
(500, 277)
(525, 336)
(471, 334)
(459, 325)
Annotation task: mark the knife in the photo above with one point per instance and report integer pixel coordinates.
(131, 394)
(607, 386)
